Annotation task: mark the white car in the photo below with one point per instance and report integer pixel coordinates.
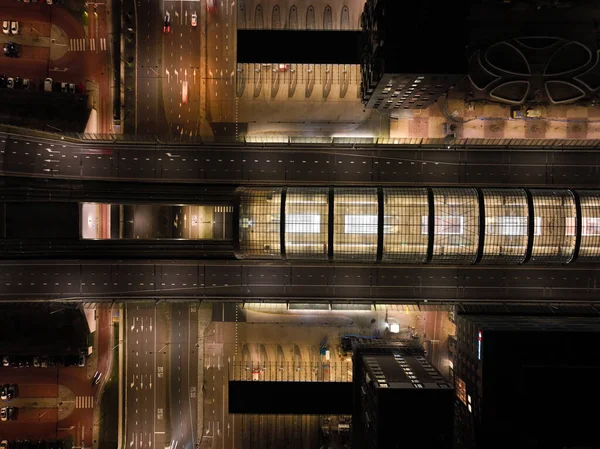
(4, 444)
(184, 92)
(48, 85)
(5, 361)
(14, 27)
(194, 19)
(10, 83)
(6, 27)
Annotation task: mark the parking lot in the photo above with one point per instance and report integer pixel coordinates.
(59, 400)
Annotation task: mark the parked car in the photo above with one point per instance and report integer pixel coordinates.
(12, 413)
(194, 19)
(10, 83)
(18, 84)
(48, 85)
(3, 79)
(4, 414)
(81, 362)
(14, 27)
(71, 88)
(256, 374)
(5, 359)
(4, 444)
(6, 27)
(4, 392)
(11, 49)
(12, 392)
(36, 362)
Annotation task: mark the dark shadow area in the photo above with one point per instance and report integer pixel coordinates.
(290, 397)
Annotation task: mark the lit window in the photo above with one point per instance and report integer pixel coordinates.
(506, 225)
(360, 224)
(303, 224)
(461, 390)
(590, 226)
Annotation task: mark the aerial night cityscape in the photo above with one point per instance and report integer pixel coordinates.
(299, 224)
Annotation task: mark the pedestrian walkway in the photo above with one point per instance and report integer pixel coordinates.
(84, 402)
(92, 44)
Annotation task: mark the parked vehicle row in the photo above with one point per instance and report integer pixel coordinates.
(10, 27)
(9, 391)
(41, 444)
(43, 361)
(15, 83)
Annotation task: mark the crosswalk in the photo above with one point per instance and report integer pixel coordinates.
(84, 401)
(91, 44)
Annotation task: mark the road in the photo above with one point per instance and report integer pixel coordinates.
(181, 66)
(141, 401)
(221, 65)
(183, 369)
(150, 114)
(101, 280)
(308, 164)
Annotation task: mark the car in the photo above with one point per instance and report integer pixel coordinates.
(36, 360)
(5, 359)
(48, 85)
(167, 24)
(255, 374)
(4, 392)
(14, 27)
(284, 67)
(81, 362)
(184, 92)
(64, 87)
(12, 391)
(6, 27)
(71, 88)
(4, 414)
(12, 413)
(211, 6)
(96, 378)
(194, 19)
(10, 83)
(18, 85)
(49, 2)
(4, 444)
(11, 49)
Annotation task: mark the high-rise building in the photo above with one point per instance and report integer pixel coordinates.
(410, 58)
(526, 381)
(400, 400)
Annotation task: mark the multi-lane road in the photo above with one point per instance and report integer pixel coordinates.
(307, 164)
(279, 281)
(161, 380)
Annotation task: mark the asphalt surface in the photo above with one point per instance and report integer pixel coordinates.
(181, 68)
(183, 369)
(220, 62)
(140, 355)
(302, 164)
(302, 282)
(150, 115)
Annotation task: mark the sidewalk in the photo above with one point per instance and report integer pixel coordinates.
(129, 65)
(493, 121)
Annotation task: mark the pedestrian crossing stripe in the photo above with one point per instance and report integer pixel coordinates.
(84, 402)
(83, 44)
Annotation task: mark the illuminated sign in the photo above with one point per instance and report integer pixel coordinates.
(479, 338)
